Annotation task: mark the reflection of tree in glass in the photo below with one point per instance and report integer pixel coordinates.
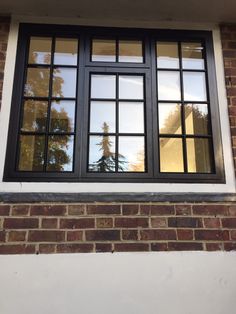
(107, 163)
(37, 85)
(138, 166)
(198, 121)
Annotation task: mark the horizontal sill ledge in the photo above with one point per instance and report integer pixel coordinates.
(117, 197)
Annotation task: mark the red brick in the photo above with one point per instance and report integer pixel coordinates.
(229, 223)
(21, 223)
(212, 235)
(16, 236)
(230, 246)
(4, 210)
(214, 246)
(233, 234)
(184, 222)
(158, 222)
(49, 223)
(131, 247)
(48, 210)
(17, 249)
(103, 247)
(106, 209)
(76, 209)
(75, 248)
(157, 210)
(183, 210)
(104, 222)
(184, 234)
(131, 222)
(159, 246)
(130, 209)
(229, 54)
(80, 223)
(2, 236)
(47, 248)
(128, 234)
(46, 236)
(20, 210)
(232, 208)
(75, 236)
(210, 210)
(102, 235)
(185, 246)
(158, 234)
(212, 223)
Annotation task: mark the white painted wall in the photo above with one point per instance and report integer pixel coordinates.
(124, 283)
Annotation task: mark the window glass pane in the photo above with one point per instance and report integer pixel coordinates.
(192, 54)
(130, 51)
(103, 86)
(37, 83)
(171, 155)
(104, 50)
(131, 154)
(194, 86)
(60, 153)
(168, 85)
(31, 156)
(34, 116)
(130, 87)
(66, 50)
(102, 116)
(167, 55)
(62, 117)
(102, 153)
(40, 50)
(64, 82)
(131, 117)
(170, 119)
(196, 118)
(198, 152)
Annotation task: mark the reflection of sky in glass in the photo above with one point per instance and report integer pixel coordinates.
(167, 55)
(102, 112)
(103, 86)
(131, 117)
(64, 110)
(66, 51)
(130, 87)
(194, 86)
(68, 82)
(54, 141)
(169, 118)
(96, 150)
(168, 85)
(132, 149)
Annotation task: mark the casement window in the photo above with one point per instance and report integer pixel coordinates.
(117, 105)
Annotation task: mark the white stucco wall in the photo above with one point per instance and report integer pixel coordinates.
(124, 283)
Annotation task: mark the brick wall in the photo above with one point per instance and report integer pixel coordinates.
(4, 30)
(115, 227)
(228, 37)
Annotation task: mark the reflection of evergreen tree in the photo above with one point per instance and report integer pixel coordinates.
(37, 85)
(107, 162)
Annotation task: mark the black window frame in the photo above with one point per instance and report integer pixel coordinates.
(86, 66)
